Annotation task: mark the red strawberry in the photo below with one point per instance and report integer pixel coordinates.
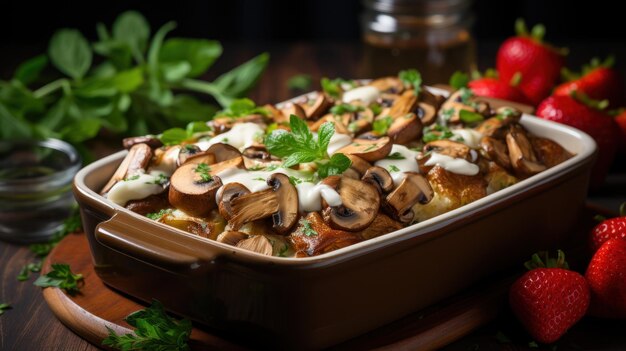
(620, 119)
(539, 64)
(548, 301)
(612, 228)
(498, 89)
(598, 81)
(606, 276)
(599, 125)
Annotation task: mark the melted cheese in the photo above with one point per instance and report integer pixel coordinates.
(454, 165)
(397, 167)
(241, 136)
(137, 188)
(366, 94)
(470, 137)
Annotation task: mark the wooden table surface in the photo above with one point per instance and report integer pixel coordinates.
(31, 326)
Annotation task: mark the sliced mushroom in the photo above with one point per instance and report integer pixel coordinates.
(508, 112)
(427, 113)
(449, 148)
(521, 153)
(223, 152)
(549, 152)
(257, 243)
(226, 194)
(191, 191)
(237, 162)
(495, 127)
(382, 224)
(150, 204)
(138, 158)
(404, 104)
(368, 150)
(231, 237)
(496, 151)
(186, 152)
(275, 114)
(452, 107)
(390, 85)
(380, 178)
(257, 152)
(280, 202)
(413, 189)
(149, 140)
(319, 107)
(336, 120)
(358, 164)
(224, 124)
(359, 204)
(293, 109)
(405, 129)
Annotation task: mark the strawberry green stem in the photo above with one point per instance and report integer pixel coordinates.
(543, 260)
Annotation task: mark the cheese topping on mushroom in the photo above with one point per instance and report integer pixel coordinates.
(241, 136)
(401, 160)
(454, 165)
(366, 94)
(137, 187)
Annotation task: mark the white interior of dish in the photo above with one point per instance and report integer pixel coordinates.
(574, 140)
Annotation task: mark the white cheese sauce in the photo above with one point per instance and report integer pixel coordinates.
(366, 94)
(470, 137)
(309, 194)
(397, 167)
(454, 165)
(136, 188)
(337, 141)
(241, 136)
(168, 162)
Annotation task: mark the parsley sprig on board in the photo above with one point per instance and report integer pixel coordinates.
(300, 146)
(61, 277)
(154, 331)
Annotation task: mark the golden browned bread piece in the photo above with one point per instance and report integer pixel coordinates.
(314, 237)
(382, 224)
(451, 191)
(498, 178)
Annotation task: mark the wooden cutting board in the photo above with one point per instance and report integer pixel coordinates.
(98, 306)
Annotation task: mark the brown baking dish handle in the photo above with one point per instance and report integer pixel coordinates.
(154, 245)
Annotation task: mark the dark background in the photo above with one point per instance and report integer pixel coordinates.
(26, 23)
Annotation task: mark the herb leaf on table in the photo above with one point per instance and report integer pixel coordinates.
(4, 307)
(154, 330)
(61, 277)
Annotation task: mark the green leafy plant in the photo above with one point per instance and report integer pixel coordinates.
(300, 146)
(154, 330)
(300, 82)
(4, 307)
(413, 78)
(61, 277)
(129, 82)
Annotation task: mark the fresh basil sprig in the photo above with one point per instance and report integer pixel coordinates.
(300, 146)
(154, 330)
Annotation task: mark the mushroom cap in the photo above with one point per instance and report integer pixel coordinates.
(391, 85)
(413, 189)
(149, 140)
(368, 150)
(405, 129)
(449, 148)
(257, 243)
(223, 152)
(226, 194)
(360, 204)
(358, 164)
(404, 104)
(288, 204)
(187, 151)
(192, 194)
(231, 237)
(427, 113)
(521, 153)
(318, 108)
(496, 151)
(380, 178)
(293, 109)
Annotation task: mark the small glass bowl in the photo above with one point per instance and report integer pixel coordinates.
(35, 188)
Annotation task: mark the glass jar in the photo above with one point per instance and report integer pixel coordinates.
(35, 188)
(432, 36)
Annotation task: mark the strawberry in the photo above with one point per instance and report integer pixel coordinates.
(548, 300)
(539, 64)
(600, 126)
(598, 81)
(495, 88)
(606, 276)
(612, 228)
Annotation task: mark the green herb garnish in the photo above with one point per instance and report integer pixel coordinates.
(158, 215)
(353, 127)
(60, 277)
(413, 78)
(334, 87)
(307, 229)
(283, 251)
(4, 307)
(294, 180)
(203, 170)
(300, 146)
(241, 108)
(175, 136)
(376, 108)
(394, 168)
(345, 108)
(154, 330)
(465, 94)
(381, 125)
(395, 156)
(34, 267)
(301, 82)
(459, 80)
(260, 179)
(470, 117)
(436, 132)
(135, 177)
(160, 180)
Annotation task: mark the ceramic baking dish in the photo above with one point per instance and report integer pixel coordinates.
(311, 303)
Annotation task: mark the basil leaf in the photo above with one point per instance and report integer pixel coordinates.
(132, 29)
(70, 53)
(413, 78)
(280, 143)
(238, 81)
(470, 117)
(337, 165)
(324, 134)
(13, 128)
(200, 54)
(459, 80)
(298, 157)
(175, 71)
(173, 136)
(29, 71)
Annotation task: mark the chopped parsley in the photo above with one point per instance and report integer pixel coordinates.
(160, 180)
(345, 108)
(283, 251)
(334, 87)
(395, 156)
(436, 132)
(413, 78)
(381, 125)
(394, 168)
(294, 180)
(470, 117)
(307, 229)
(4, 307)
(459, 80)
(203, 170)
(376, 108)
(353, 127)
(261, 179)
(135, 177)
(158, 215)
(241, 108)
(61, 277)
